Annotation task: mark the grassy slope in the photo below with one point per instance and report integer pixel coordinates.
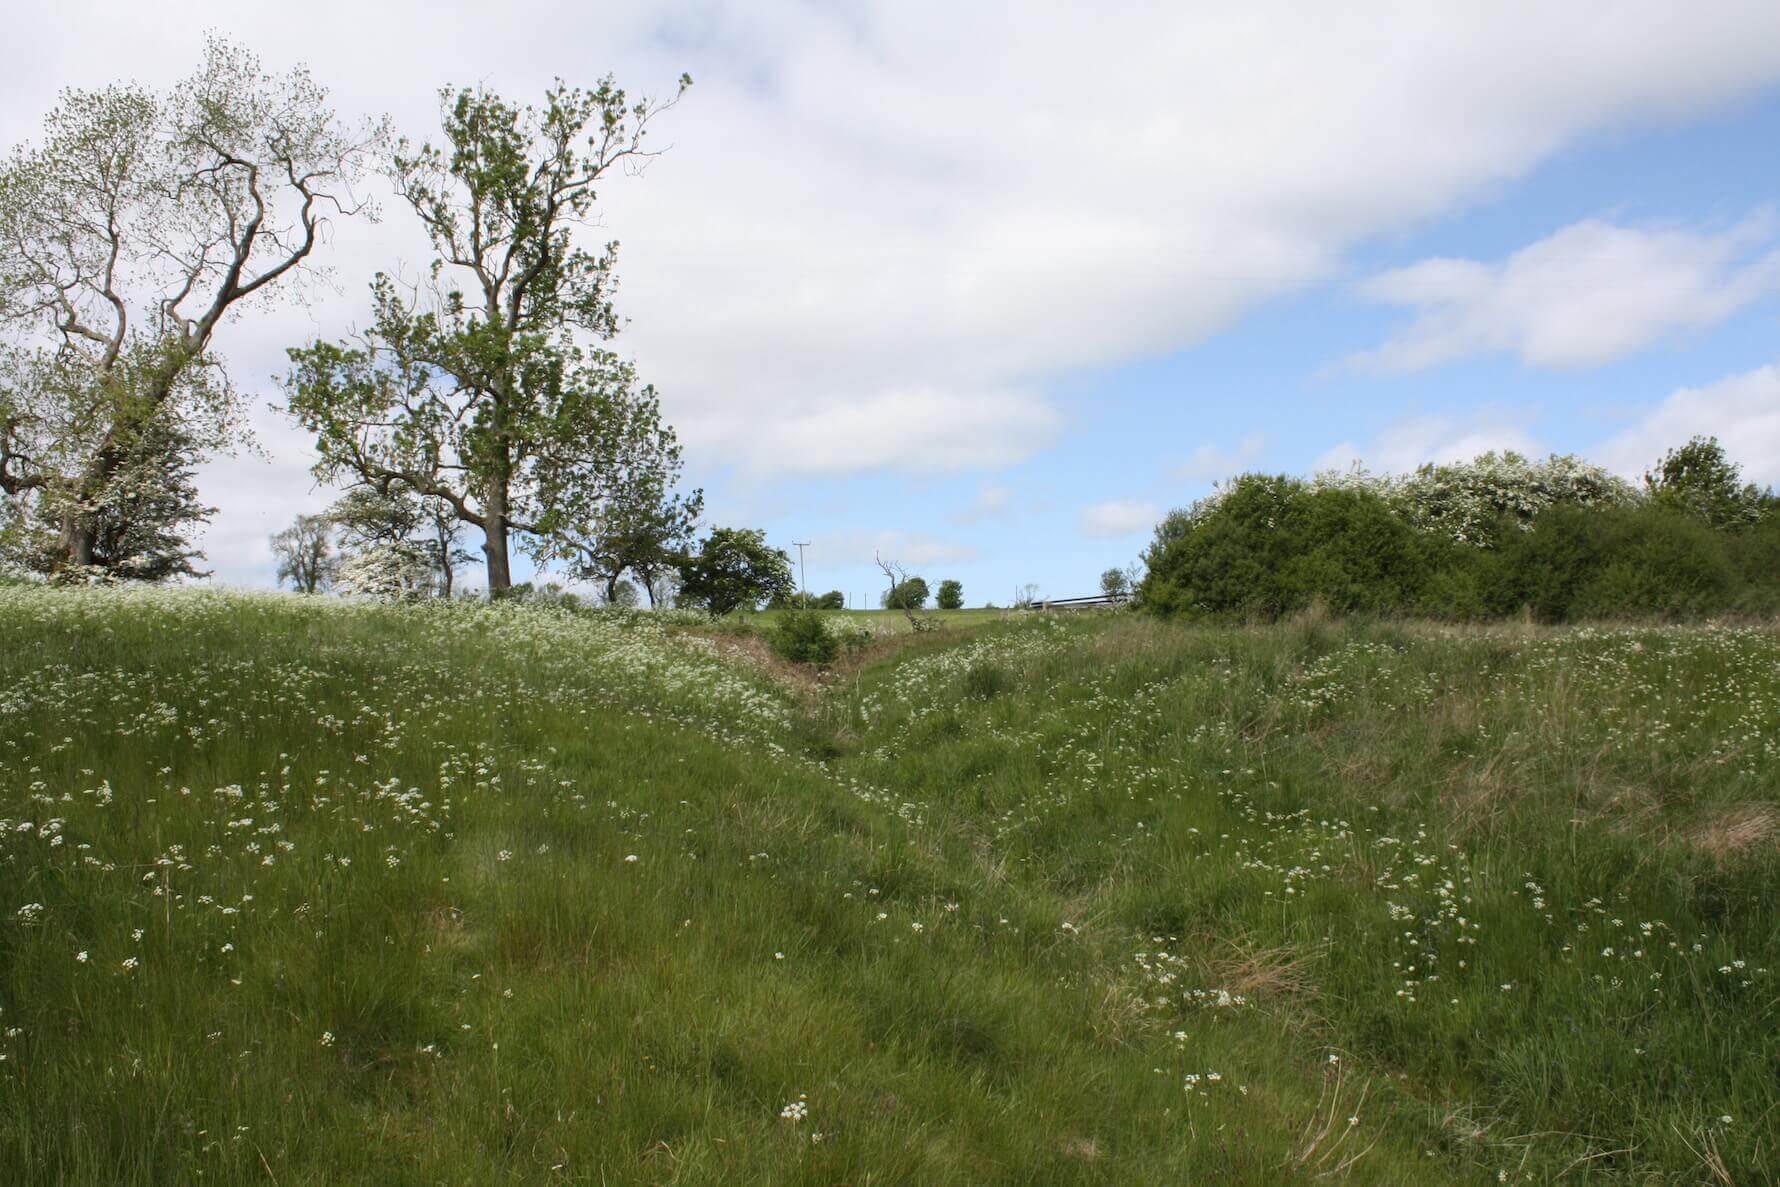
(448, 970)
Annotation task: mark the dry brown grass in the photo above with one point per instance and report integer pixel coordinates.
(1735, 832)
(1261, 973)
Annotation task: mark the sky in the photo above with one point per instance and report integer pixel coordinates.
(987, 288)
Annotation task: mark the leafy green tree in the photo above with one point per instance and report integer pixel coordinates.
(734, 568)
(834, 599)
(1115, 584)
(951, 595)
(484, 385)
(305, 553)
(631, 520)
(1698, 479)
(910, 593)
(137, 226)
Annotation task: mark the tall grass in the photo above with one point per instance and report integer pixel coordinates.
(294, 890)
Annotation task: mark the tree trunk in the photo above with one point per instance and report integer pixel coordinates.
(494, 538)
(441, 527)
(494, 547)
(78, 539)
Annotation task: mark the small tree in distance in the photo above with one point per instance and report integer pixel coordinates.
(1115, 584)
(305, 553)
(951, 595)
(906, 593)
(834, 599)
(733, 568)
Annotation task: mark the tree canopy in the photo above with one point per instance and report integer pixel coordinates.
(483, 383)
(128, 234)
(734, 568)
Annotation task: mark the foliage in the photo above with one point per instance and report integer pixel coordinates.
(733, 568)
(803, 637)
(1114, 583)
(386, 570)
(909, 593)
(485, 385)
(1268, 546)
(1470, 501)
(1496, 537)
(305, 553)
(397, 523)
(1699, 479)
(834, 599)
(138, 224)
(951, 595)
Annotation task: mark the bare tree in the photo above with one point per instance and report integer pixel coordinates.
(139, 224)
(898, 577)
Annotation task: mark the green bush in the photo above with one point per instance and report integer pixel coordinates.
(802, 637)
(1272, 545)
(951, 595)
(1268, 546)
(1659, 564)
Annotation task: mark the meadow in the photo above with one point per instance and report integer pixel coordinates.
(302, 889)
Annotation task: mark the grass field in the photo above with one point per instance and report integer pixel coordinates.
(296, 890)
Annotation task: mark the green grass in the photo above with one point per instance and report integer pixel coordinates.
(1077, 899)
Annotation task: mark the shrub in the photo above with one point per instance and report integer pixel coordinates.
(1659, 564)
(951, 595)
(1270, 545)
(834, 599)
(802, 637)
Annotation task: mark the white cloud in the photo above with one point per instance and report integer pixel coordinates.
(909, 549)
(1588, 294)
(994, 501)
(1118, 517)
(1416, 440)
(881, 226)
(923, 430)
(1210, 463)
(1742, 411)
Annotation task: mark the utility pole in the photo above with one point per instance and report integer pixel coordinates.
(801, 587)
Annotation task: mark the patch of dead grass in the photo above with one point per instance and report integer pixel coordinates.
(1735, 832)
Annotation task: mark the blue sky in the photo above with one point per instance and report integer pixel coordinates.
(988, 288)
(1270, 392)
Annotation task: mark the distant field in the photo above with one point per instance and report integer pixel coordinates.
(296, 890)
